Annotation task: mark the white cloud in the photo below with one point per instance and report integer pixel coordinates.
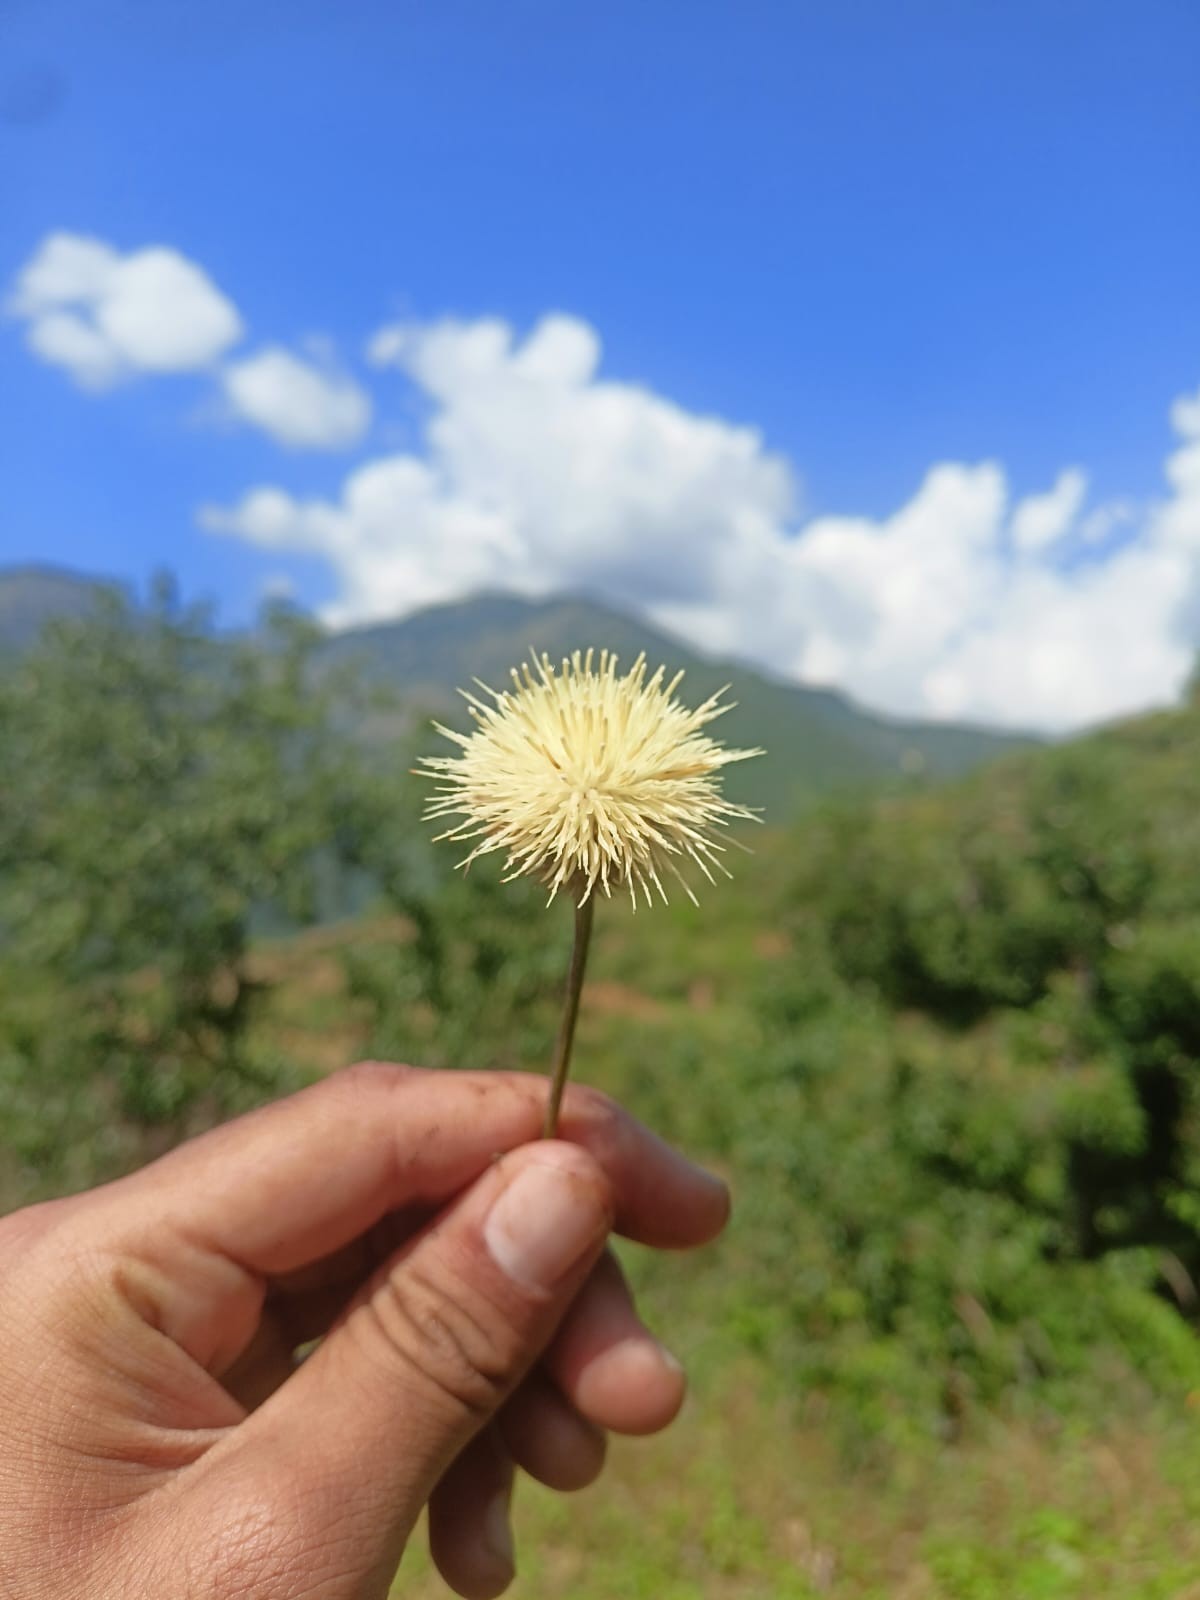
(65, 339)
(106, 316)
(66, 269)
(1185, 415)
(537, 475)
(1044, 519)
(297, 403)
(1105, 521)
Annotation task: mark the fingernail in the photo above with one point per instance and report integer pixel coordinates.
(668, 1357)
(547, 1218)
(638, 1351)
(692, 1169)
(497, 1531)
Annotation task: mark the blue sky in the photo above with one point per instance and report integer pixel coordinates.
(890, 240)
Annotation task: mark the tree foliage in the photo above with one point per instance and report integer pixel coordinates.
(989, 1060)
(958, 1094)
(165, 793)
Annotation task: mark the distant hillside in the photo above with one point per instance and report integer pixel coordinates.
(34, 595)
(817, 740)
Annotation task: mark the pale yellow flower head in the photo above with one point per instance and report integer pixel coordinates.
(587, 779)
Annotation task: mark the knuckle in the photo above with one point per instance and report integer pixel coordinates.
(468, 1356)
(371, 1078)
(610, 1133)
(24, 1229)
(237, 1557)
(249, 1539)
(365, 1089)
(598, 1108)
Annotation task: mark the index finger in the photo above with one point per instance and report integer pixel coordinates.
(297, 1180)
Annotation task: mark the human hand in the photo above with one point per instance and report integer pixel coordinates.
(157, 1437)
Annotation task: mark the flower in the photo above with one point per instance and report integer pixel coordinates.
(585, 778)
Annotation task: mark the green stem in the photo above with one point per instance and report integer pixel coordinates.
(566, 1027)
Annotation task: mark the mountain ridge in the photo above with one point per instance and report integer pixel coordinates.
(818, 741)
(35, 593)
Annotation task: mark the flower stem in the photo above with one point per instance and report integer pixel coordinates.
(566, 1027)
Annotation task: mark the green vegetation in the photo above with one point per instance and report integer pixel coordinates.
(945, 1042)
(164, 795)
(821, 743)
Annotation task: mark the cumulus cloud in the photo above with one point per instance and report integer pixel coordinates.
(538, 474)
(295, 402)
(1043, 519)
(939, 610)
(105, 316)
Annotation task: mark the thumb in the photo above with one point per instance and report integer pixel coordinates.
(421, 1361)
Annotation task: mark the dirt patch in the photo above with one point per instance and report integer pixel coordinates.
(701, 994)
(619, 1000)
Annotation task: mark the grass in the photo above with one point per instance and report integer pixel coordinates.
(738, 1502)
(752, 1495)
(761, 1491)
(943, 1044)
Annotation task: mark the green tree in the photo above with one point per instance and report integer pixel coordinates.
(164, 793)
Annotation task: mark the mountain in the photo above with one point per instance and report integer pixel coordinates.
(32, 596)
(817, 740)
